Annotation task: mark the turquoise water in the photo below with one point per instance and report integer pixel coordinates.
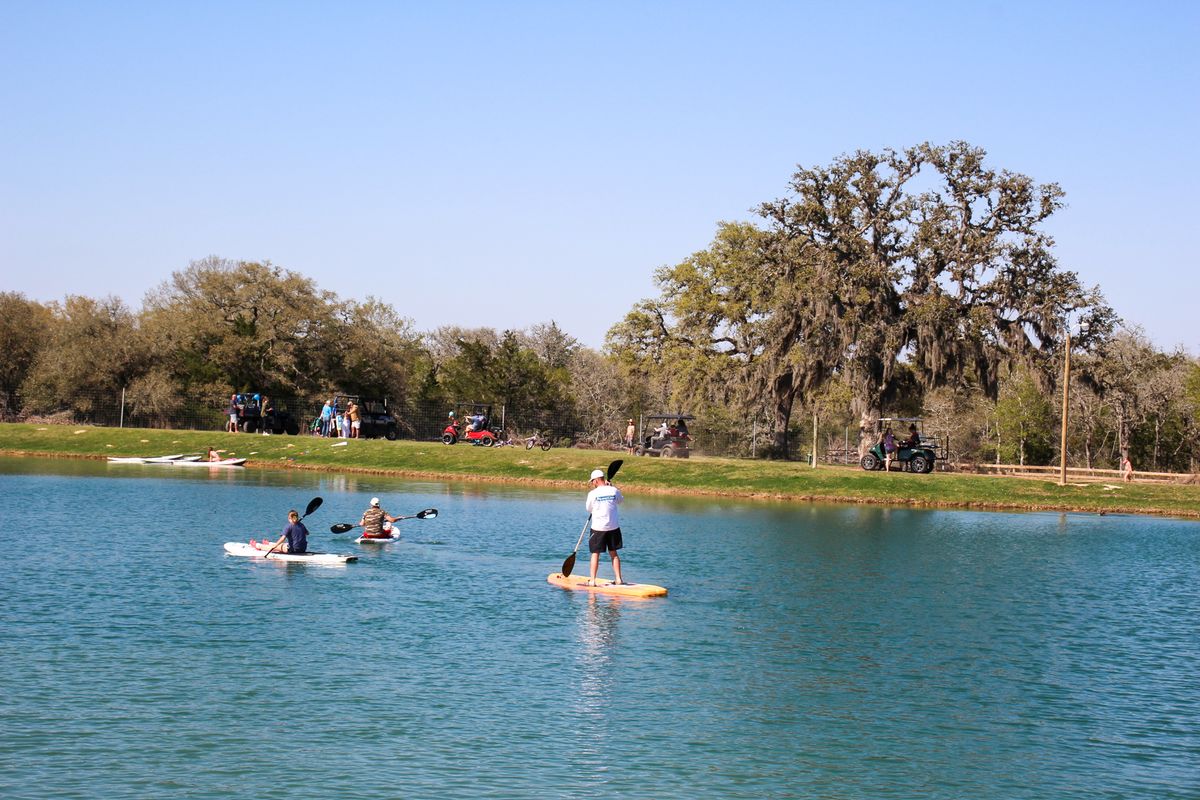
(804, 651)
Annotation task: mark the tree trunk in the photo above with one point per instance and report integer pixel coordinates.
(783, 391)
(868, 417)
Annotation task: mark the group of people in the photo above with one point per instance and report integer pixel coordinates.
(889, 444)
(657, 436)
(294, 538)
(252, 406)
(602, 501)
(476, 421)
(341, 423)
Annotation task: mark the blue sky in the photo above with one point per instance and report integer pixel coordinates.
(508, 164)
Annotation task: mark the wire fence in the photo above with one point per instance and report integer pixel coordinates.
(404, 419)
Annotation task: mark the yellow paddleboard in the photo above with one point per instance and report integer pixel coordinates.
(605, 586)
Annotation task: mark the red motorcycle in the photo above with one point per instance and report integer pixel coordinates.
(482, 437)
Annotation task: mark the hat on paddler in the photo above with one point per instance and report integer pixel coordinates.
(374, 501)
(596, 473)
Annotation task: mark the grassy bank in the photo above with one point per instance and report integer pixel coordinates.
(716, 476)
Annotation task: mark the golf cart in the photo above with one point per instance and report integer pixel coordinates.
(375, 420)
(912, 454)
(668, 438)
(472, 422)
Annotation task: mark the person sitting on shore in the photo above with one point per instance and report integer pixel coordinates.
(294, 538)
(372, 521)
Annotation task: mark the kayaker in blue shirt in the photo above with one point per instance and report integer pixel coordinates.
(294, 538)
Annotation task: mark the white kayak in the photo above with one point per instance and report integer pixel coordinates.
(246, 550)
(225, 462)
(178, 458)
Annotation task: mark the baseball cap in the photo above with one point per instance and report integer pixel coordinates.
(374, 501)
(596, 473)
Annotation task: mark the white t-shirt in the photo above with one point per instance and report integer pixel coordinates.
(602, 505)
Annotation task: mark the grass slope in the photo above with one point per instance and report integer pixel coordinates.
(717, 476)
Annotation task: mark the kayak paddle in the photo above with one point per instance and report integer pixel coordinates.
(313, 505)
(569, 564)
(342, 527)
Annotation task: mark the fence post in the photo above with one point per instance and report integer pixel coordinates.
(121, 424)
(753, 437)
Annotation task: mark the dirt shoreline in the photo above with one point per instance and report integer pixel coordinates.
(743, 495)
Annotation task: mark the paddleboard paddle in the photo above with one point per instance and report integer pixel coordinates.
(342, 527)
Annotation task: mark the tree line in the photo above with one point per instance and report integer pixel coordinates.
(911, 282)
(908, 282)
(220, 327)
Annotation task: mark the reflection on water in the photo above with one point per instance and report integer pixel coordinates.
(597, 630)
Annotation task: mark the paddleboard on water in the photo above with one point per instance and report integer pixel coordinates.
(225, 462)
(605, 586)
(244, 549)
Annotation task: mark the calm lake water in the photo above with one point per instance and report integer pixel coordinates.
(804, 651)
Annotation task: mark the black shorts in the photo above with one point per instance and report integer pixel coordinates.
(603, 541)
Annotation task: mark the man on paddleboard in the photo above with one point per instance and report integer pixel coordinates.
(602, 502)
(372, 521)
(294, 538)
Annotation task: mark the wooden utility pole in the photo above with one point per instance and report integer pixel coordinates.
(1062, 470)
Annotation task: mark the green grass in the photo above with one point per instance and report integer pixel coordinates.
(566, 467)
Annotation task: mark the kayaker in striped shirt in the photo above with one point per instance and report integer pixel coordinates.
(372, 521)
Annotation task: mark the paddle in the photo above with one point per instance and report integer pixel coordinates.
(569, 564)
(342, 527)
(312, 506)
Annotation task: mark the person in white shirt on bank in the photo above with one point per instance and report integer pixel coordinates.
(602, 502)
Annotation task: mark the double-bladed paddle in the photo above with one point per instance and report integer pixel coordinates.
(569, 564)
(342, 527)
(312, 506)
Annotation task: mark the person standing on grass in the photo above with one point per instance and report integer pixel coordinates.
(326, 417)
(601, 504)
(1126, 468)
(630, 436)
(232, 413)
